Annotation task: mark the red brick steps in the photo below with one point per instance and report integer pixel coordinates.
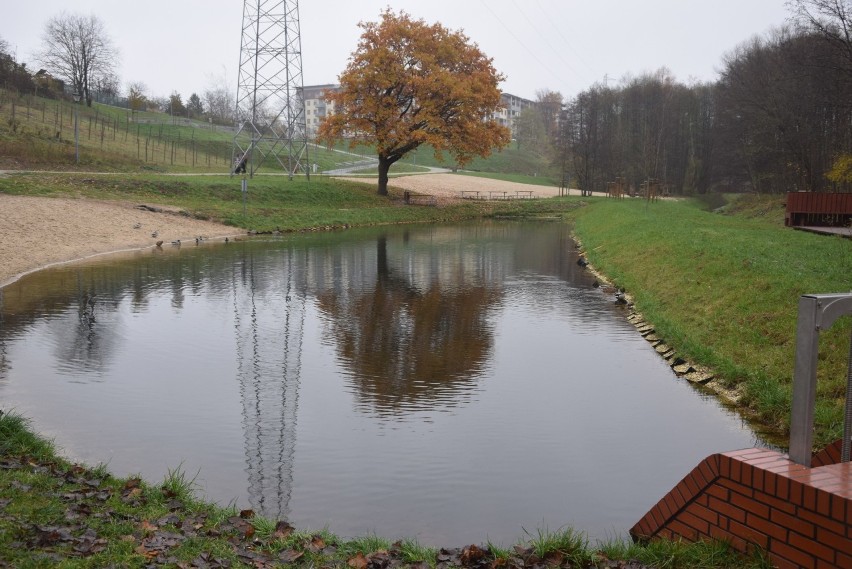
(801, 516)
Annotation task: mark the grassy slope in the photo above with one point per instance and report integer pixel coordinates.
(724, 290)
(38, 133)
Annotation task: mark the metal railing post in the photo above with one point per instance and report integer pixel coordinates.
(816, 312)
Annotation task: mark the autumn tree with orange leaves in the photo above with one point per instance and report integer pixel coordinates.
(410, 83)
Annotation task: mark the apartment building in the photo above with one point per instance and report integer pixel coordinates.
(316, 108)
(511, 110)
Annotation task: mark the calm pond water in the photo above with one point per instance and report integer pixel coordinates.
(456, 384)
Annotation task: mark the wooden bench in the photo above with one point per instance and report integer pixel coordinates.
(524, 194)
(414, 198)
(470, 194)
(818, 209)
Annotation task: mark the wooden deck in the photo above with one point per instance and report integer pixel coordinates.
(842, 231)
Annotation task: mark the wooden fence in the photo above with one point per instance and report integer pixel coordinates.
(818, 209)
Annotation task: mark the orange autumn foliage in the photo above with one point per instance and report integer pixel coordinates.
(410, 83)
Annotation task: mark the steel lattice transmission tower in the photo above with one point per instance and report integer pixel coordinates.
(270, 111)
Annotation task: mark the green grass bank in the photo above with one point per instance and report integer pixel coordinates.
(272, 202)
(56, 514)
(723, 289)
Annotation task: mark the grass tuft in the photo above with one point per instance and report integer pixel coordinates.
(16, 438)
(177, 485)
(565, 542)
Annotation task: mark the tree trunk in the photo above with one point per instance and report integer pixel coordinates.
(384, 167)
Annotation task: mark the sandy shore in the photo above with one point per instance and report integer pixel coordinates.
(36, 232)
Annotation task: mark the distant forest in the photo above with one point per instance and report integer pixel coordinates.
(779, 119)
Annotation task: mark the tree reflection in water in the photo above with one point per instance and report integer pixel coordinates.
(409, 347)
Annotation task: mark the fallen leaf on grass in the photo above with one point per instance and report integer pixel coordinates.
(171, 519)
(89, 546)
(282, 530)
(50, 535)
(471, 554)
(290, 555)
(145, 552)
(358, 562)
(316, 545)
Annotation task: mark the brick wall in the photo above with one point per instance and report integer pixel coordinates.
(801, 516)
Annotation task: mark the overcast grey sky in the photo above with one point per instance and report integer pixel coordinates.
(561, 45)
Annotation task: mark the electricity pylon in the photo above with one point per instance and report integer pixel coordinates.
(270, 113)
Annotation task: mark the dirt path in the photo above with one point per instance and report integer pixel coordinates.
(450, 186)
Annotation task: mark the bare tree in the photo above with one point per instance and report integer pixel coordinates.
(219, 100)
(78, 49)
(105, 87)
(530, 131)
(549, 104)
(831, 19)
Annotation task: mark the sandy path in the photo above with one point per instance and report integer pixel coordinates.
(451, 185)
(36, 231)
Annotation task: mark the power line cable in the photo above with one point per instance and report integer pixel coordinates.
(544, 37)
(522, 44)
(550, 18)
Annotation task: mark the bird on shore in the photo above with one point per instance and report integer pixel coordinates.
(582, 262)
(137, 226)
(159, 244)
(176, 242)
(154, 234)
(226, 239)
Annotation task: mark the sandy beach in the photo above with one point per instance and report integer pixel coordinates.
(36, 232)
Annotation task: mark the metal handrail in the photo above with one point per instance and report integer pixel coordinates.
(816, 312)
